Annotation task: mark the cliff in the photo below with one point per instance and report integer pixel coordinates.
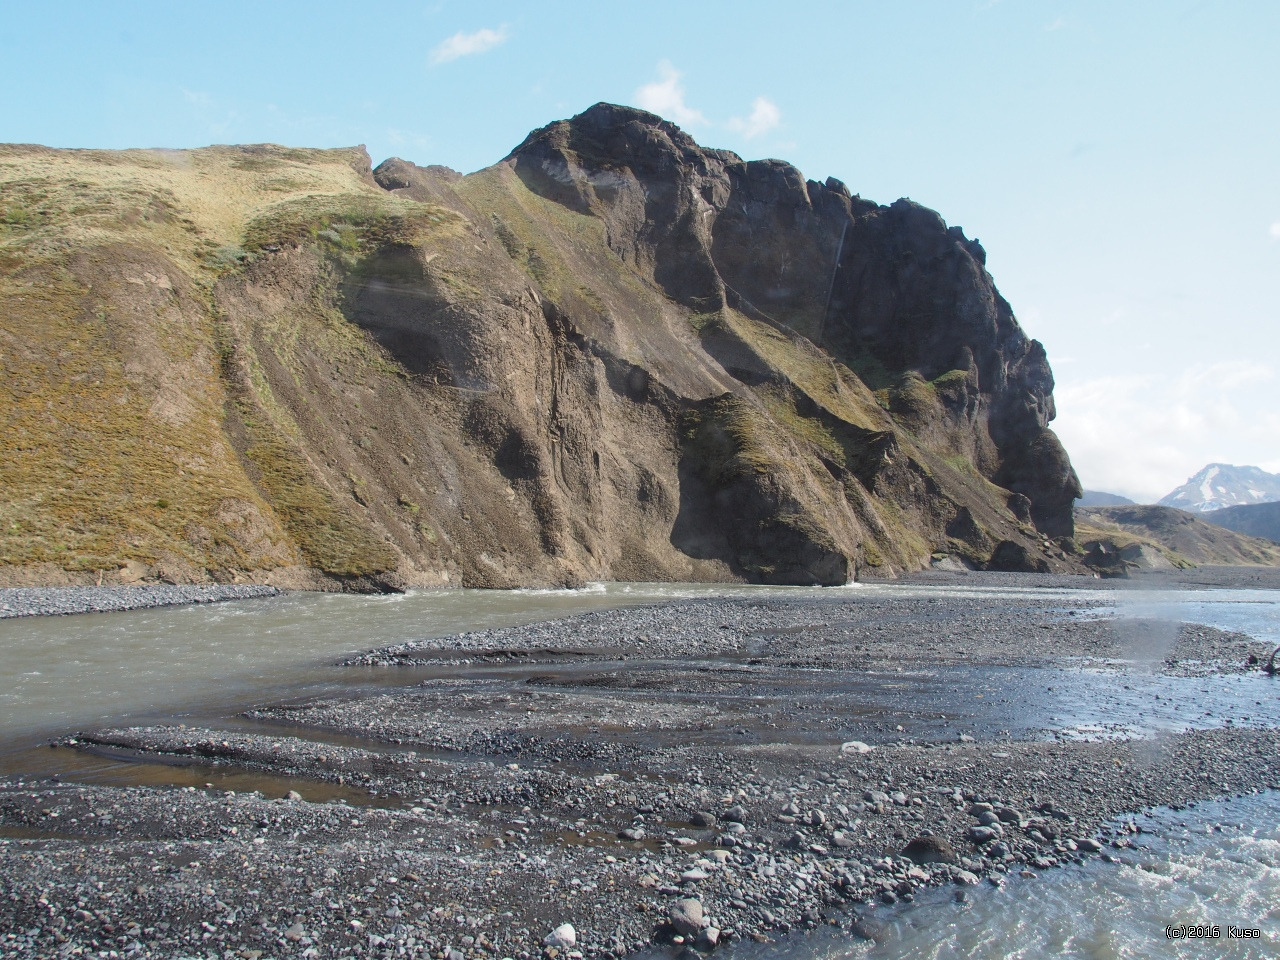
(613, 355)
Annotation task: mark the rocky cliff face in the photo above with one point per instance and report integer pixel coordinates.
(613, 355)
(889, 291)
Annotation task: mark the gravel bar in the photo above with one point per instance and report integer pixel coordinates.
(684, 776)
(58, 601)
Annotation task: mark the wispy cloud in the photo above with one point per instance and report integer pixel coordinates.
(1142, 436)
(404, 138)
(1275, 230)
(765, 116)
(1225, 375)
(466, 44)
(218, 119)
(665, 97)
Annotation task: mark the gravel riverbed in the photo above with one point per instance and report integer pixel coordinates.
(56, 601)
(684, 775)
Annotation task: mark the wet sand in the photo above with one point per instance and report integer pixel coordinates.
(770, 759)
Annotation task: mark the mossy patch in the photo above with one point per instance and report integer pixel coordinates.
(726, 439)
(781, 405)
(950, 380)
(914, 399)
(829, 383)
(328, 537)
(347, 224)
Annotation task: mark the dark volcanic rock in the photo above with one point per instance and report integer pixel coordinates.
(930, 849)
(1014, 557)
(887, 290)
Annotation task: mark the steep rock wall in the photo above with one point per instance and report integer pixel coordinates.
(887, 290)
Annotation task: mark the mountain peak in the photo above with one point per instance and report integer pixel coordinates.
(610, 134)
(1219, 485)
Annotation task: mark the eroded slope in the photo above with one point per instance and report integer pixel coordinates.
(614, 355)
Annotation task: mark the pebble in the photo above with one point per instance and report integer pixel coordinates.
(686, 916)
(562, 937)
(930, 849)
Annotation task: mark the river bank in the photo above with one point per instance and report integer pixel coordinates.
(771, 759)
(62, 601)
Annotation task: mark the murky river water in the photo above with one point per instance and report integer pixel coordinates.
(204, 662)
(57, 673)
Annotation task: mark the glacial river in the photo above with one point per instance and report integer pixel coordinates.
(199, 663)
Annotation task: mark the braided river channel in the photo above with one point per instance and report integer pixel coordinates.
(1188, 873)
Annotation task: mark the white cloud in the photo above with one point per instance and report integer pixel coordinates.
(1225, 375)
(1275, 230)
(765, 115)
(665, 97)
(1142, 436)
(465, 44)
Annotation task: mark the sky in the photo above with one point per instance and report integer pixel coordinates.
(1119, 161)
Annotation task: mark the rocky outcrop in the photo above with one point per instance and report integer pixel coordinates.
(889, 291)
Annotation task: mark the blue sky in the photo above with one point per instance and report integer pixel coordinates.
(1120, 161)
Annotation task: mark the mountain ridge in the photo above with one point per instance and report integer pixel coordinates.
(1151, 536)
(1251, 519)
(1219, 485)
(1100, 498)
(612, 355)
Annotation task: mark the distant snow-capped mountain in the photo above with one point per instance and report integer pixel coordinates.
(1222, 485)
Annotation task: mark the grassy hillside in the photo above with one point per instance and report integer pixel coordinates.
(1185, 539)
(115, 391)
(255, 362)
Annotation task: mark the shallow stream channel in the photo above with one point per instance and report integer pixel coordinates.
(996, 663)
